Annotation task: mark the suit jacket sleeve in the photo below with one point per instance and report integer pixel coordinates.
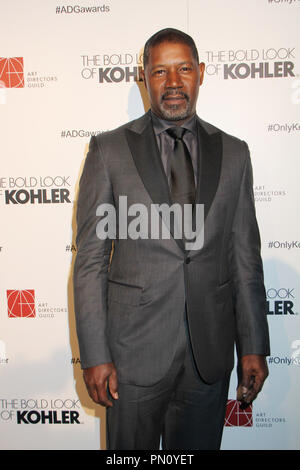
(92, 262)
(247, 272)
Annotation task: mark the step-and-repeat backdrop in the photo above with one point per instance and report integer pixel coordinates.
(70, 69)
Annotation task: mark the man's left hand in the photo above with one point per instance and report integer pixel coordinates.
(254, 373)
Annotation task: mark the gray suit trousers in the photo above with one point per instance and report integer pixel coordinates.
(181, 411)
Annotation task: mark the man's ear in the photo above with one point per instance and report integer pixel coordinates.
(143, 77)
(201, 71)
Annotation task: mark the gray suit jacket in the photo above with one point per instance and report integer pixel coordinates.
(129, 305)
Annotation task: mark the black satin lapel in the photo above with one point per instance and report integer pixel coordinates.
(145, 153)
(147, 160)
(210, 167)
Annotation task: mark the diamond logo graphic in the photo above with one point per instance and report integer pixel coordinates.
(237, 416)
(11, 72)
(21, 303)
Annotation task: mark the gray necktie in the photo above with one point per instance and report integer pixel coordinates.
(182, 182)
(182, 174)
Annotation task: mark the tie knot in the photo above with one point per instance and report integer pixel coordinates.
(176, 132)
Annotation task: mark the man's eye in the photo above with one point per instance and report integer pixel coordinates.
(159, 72)
(185, 68)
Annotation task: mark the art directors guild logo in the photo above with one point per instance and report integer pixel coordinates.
(11, 72)
(35, 190)
(264, 194)
(251, 63)
(12, 75)
(112, 68)
(238, 416)
(23, 304)
(247, 417)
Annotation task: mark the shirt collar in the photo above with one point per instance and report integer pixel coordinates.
(160, 125)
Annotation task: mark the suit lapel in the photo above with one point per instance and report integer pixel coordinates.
(145, 153)
(209, 166)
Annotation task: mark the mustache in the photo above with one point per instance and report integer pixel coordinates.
(174, 93)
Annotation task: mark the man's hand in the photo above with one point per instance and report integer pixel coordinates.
(96, 380)
(254, 373)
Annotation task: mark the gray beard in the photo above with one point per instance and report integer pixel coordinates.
(174, 113)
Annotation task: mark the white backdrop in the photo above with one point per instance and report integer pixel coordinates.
(67, 70)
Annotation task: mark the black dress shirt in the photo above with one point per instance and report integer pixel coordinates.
(166, 143)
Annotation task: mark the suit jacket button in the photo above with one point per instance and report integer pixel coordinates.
(187, 260)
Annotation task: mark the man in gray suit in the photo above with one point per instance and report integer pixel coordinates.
(157, 318)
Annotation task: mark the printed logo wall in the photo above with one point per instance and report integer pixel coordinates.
(73, 70)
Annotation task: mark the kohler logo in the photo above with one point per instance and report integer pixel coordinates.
(48, 417)
(259, 70)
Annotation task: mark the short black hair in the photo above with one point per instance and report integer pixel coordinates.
(169, 35)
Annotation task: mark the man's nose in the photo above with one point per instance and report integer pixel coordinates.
(173, 80)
